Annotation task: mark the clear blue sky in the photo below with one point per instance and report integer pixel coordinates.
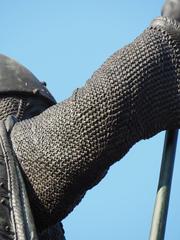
(63, 42)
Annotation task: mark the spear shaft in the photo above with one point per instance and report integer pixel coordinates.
(164, 187)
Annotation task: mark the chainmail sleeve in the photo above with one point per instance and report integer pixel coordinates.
(68, 148)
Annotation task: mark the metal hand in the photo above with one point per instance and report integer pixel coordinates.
(171, 9)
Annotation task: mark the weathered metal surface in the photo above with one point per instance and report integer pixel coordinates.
(15, 78)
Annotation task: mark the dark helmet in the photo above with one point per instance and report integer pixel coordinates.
(20, 89)
(15, 78)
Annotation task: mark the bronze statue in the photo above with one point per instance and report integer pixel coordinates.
(65, 149)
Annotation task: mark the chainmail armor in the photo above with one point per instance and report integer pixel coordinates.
(12, 105)
(68, 148)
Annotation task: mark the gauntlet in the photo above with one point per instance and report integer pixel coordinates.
(68, 148)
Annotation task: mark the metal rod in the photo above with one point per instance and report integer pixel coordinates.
(164, 188)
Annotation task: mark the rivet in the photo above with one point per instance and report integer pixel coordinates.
(2, 200)
(44, 83)
(36, 91)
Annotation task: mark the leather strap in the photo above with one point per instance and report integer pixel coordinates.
(16, 221)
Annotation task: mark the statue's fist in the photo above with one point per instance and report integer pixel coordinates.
(171, 9)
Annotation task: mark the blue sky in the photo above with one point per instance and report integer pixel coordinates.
(63, 43)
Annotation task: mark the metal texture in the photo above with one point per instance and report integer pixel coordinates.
(164, 188)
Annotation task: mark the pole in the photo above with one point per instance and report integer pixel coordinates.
(164, 188)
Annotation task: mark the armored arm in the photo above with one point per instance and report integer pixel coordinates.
(68, 148)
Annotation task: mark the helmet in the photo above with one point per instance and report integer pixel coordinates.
(21, 93)
(16, 79)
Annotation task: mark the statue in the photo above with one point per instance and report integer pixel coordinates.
(64, 149)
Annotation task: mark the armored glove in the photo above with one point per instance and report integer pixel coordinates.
(68, 148)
